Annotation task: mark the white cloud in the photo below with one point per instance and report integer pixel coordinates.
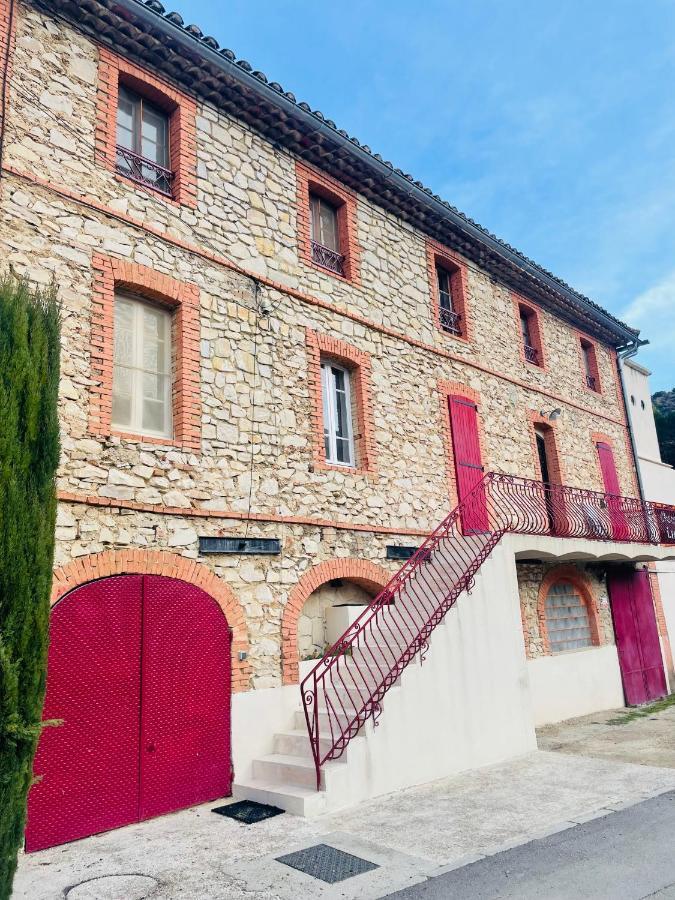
(653, 311)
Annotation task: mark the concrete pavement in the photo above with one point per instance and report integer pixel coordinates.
(627, 855)
(411, 835)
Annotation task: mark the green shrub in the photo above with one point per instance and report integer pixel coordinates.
(29, 453)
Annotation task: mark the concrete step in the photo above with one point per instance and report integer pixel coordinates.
(296, 743)
(300, 801)
(279, 768)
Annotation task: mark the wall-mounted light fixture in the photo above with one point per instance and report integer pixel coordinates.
(552, 415)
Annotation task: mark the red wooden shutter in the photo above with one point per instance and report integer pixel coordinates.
(620, 529)
(468, 463)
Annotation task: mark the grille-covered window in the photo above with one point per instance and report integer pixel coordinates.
(567, 621)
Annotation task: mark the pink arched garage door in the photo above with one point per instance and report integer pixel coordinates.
(139, 672)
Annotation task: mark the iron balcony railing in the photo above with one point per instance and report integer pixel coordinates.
(531, 354)
(329, 259)
(345, 689)
(450, 320)
(144, 171)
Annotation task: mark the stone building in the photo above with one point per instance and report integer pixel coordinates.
(284, 363)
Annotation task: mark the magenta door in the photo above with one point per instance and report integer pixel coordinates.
(637, 636)
(468, 464)
(617, 518)
(139, 675)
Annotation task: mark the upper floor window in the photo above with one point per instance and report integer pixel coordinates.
(448, 315)
(530, 336)
(567, 621)
(143, 141)
(141, 387)
(590, 365)
(337, 414)
(325, 234)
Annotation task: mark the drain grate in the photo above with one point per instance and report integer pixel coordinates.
(248, 811)
(326, 863)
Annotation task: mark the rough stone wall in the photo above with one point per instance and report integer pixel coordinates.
(256, 446)
(530, 577)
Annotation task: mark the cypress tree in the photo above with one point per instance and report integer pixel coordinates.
(29, 453)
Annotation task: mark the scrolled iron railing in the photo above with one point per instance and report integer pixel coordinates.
(143, 171)
(345, 689)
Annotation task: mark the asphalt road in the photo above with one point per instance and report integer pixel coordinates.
(626, 855)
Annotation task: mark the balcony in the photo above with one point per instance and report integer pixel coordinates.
(327, 258)
(143, 171)
(532, 354)
(450, 320)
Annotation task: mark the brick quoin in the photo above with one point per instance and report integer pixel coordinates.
(312, 181)
(447, 389)
(7, 41)
(534, 322)
(366, 574)
(114, 70)
(109, 275)
(573, 576)
(320, 346)
(438, 255)
(661, 620)
(158, 562)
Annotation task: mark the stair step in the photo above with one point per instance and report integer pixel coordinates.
(295, 799)
(296, 743)
(298, 770)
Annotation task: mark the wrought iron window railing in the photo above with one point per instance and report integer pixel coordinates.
(143, 171)
(345, 689)
(329, 259)
(450, 320)
(591, 382)
(531, 354)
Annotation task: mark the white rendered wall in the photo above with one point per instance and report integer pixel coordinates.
(577, 683)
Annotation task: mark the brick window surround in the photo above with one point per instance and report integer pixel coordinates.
(113, 70)
(442, 258)
(573, 576)
(366, 574)
(586, 345)
(312, 181)
(549, 428)
(113, 274)
(321, 347)
(448, 389)
(161, 562)
(521, 306)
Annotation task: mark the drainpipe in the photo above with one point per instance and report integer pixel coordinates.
(622, 354)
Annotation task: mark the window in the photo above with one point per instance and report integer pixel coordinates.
(590, 365)
(448, 315)
(325, 234)
(337, 414)
(142, 141)
(526, 330)
(141, 394)
(567, 621)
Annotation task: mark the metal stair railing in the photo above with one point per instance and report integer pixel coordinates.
(346, 687)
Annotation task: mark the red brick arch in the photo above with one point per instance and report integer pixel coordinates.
(159, 562)
(366, 574)
(573, 576)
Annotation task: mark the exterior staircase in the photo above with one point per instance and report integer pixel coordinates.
(325, 757)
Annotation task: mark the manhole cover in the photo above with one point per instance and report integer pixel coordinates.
(113, 887)
(248, 811)
(326, 863)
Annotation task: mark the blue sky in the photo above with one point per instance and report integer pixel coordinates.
(552, 124)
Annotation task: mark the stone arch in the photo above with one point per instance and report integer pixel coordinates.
(573, 576)
(171, 565)
(360, 571)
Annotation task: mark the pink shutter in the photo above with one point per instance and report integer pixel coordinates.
(468, 463)
(620, 529)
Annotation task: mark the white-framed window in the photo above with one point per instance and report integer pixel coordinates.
(141, 391)
(337, 414)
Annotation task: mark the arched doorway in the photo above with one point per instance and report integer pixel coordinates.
(140, 675)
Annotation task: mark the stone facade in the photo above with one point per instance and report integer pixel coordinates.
(236, 250)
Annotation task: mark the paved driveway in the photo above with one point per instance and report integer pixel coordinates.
(411, 836)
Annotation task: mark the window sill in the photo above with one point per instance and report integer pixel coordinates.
(146, 438)
(324, 466)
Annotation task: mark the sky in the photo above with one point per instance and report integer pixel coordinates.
(551, 124)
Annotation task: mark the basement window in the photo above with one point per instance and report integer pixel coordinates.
(567, 622)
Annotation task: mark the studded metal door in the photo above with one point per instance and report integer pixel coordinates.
(185, 722)
(88, 765)
(139, 672)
